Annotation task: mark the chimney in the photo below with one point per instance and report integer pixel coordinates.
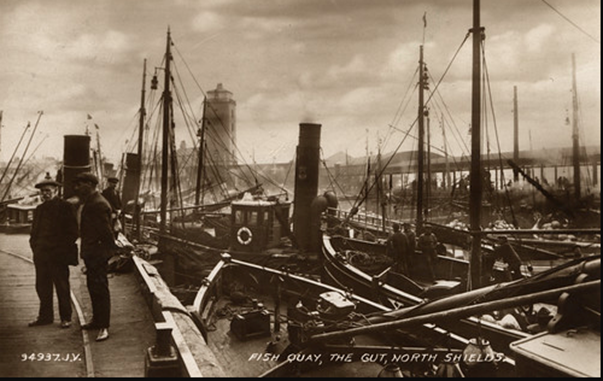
(132, 178)
(76, 159)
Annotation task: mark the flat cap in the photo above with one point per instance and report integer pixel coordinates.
(47, 181)
(113, 179)
(86, 177)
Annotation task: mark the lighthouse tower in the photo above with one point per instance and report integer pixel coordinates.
(221, 125)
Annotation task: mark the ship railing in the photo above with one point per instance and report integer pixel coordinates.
(170, 356)
(370, 221)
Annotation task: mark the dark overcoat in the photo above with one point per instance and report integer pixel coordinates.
(54, 232)
(96, 234)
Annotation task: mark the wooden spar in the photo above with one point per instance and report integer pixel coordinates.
(460, 312)
(141, 121)
(13, 200)
(14, 153)
(446, 177)
(575, 132)
(537, 185)
(475, 192)
(379, 180)
(429, 178)
(200, 165)
(101, 174)
(515, 134)
(22, 156)
(543, 232)
(165, 136)
(421, 157)
(175, 190)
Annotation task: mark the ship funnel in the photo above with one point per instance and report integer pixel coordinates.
(131, 180)
(306, 181)
(76, 159)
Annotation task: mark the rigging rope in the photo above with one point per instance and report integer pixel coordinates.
(231, 138)
(508, 197)
(333, 180)
(360, 199)
(571, 22)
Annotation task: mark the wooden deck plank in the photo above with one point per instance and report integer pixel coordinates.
(18, 306)
(123, 354)
(131, 332)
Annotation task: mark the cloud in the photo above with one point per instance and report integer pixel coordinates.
(208, 21)
(403, 59)
(538, 37)
(344, 63)
(354, 67)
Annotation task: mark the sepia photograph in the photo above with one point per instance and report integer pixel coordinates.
(300, 188)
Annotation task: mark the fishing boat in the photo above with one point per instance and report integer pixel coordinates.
(264, 322)
(455, 271)
(248, 221)
(17, 217)
(260, 321)
(239, 307)
(364, 268)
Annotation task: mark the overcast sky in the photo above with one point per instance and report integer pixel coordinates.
(347, 64)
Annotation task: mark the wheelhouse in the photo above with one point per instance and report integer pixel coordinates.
(257, 225)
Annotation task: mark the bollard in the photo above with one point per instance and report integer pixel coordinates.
(162, 359)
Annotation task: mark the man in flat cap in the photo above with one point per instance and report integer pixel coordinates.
(111, 194)
(52, 241)
(97, 246)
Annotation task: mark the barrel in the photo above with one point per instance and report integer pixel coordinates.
(76, 160)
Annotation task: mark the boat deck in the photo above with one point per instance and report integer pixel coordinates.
(256, 356)
(48, 351)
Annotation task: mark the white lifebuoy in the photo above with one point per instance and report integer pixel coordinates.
(247, 240)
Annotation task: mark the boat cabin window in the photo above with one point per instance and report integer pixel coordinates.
(250, 217)
(239, 216)
(253, 218)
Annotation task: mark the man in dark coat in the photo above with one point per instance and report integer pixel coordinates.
(397, 245)
(111, 194)
(427, 244)
(411, 237)
(97, 246)
(506, 253)
(52, 241)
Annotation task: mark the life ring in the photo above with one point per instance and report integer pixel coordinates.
(244, 236)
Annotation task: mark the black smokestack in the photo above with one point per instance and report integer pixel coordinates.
(306, 181)
(131, 179)
(76, 159)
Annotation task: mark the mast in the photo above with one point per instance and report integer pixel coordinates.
(1, 111)
(575, 134)
(380, 199)
(515, 134)
(201, 135)
(140, 148)
(429, 179)
(421, 145)
(10, 161)
(475, 192)
(166, 125)
(446, 177)
(100, 164)
(10, 183)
